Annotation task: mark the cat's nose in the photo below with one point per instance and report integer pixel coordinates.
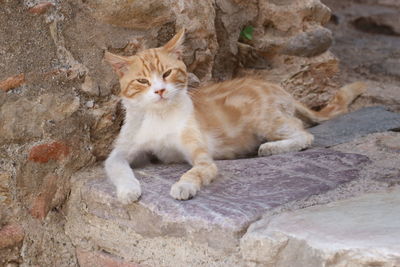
(160, 92)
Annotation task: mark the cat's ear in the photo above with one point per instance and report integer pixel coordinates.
(174, 46)
(119, 63)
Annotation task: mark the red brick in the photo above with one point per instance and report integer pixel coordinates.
(12, 82)
(45, 152)
(40, 8)
(11, 235)
(90, 259)
(42, 203)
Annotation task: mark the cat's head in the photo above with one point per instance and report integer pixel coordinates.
(153, 77)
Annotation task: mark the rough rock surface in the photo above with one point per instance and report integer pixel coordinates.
(367, 45)
(383, 150)
(220, 213)
(355, 124)
(105, 225)
(90, 259)
(11, 237)
(362, 231)
(289, 36)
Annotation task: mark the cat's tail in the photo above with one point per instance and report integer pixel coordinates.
(337, 106)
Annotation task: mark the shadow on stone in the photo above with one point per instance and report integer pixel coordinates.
(353, 125)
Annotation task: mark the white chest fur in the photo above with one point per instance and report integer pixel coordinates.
(157, 132)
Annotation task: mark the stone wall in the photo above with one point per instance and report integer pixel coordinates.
(58, 106)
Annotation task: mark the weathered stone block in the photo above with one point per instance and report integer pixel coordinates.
(308, 44)
(23, 118)
(362, 231)
(11, 235)
(356, 124)
(220, 213)
(132, 14)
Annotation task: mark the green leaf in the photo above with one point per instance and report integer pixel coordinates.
(247, 32)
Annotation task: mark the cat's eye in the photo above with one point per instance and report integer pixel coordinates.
(143, 81)
(166, 74)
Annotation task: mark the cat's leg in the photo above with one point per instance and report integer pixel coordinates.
(285, 135)
(120, 173)
(203, 171)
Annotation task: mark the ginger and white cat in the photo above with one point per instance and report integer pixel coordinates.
(220, 121)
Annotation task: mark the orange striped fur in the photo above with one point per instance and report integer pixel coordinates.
(220, 121)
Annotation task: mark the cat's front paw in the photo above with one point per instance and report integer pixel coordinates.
(129, 192)
(183, 190)
(268, 149)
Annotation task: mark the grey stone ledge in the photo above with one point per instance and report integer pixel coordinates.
(353, 125)
(222, 211)
(361, 231)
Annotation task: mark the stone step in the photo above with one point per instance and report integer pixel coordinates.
(213, 221)
(362, 231)
(353, 125)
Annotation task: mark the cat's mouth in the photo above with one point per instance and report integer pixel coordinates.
(161, 99)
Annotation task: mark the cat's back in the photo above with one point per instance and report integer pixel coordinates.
(230, 113)
(238, 92)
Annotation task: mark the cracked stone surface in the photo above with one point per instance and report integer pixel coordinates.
(362, 231)
(354, 125)
(220, 213)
